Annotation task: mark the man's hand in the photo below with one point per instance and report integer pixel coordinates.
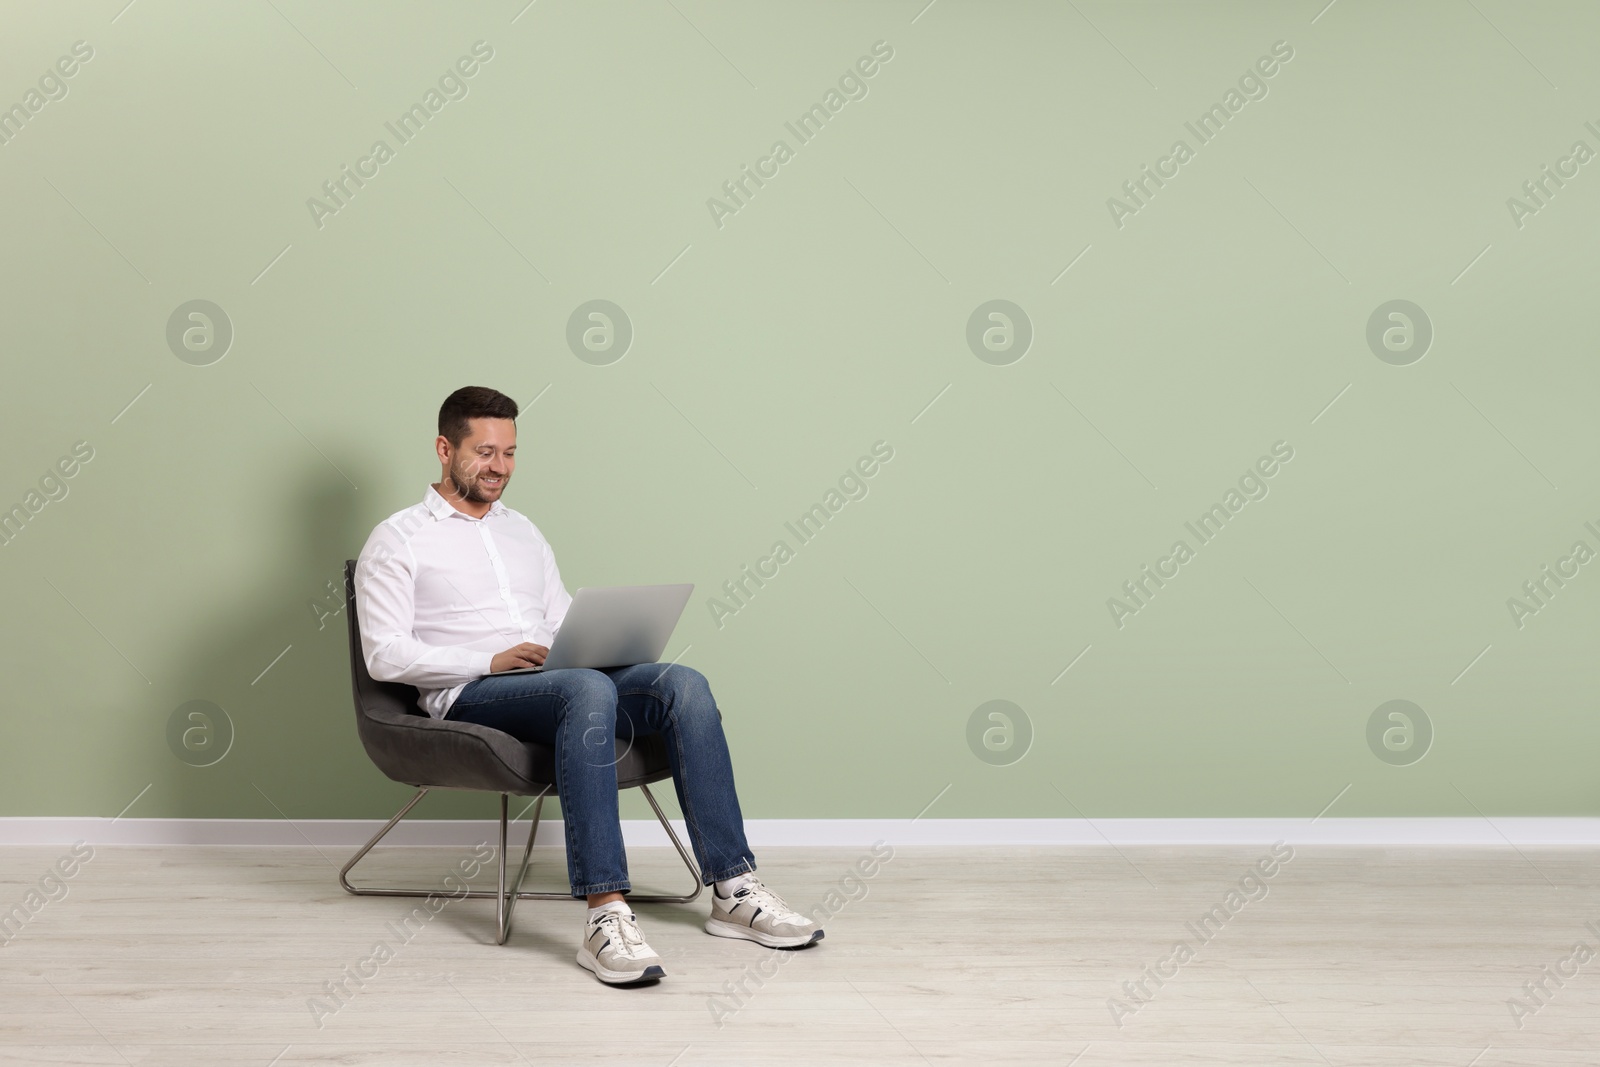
(526, 654)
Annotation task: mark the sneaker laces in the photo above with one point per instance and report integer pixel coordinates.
(754, 892)
(623, 929)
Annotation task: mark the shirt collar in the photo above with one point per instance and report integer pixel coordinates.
(440, 508)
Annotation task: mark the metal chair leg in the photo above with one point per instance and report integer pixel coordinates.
(505, 895)
(642, 898)
(683, 853)
(344, 879)
(504, 903)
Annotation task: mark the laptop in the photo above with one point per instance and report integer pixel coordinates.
(614, 626)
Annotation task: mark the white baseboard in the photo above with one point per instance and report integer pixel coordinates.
(852, 833)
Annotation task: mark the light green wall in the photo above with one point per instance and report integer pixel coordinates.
(821, 318)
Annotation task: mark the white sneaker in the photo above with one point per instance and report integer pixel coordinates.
(757, 914)
(615, 950)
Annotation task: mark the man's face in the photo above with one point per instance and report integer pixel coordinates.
(481, 467)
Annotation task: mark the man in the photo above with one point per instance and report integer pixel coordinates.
(460, 586)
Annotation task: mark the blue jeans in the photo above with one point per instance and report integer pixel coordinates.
(579, 713)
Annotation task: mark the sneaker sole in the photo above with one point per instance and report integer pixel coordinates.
(610, 977)
(726, 929)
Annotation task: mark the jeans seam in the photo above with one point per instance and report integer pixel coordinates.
(696, 835)
(697, 839)
(480, 702)
(574, 874)
(721, 876)
(568, 831)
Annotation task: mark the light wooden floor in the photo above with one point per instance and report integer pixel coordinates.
(207, 956)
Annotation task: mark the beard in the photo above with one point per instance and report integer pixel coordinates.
(466, 483)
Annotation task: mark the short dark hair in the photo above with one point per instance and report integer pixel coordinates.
(472, 402)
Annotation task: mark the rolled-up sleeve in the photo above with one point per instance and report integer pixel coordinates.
(386, 608)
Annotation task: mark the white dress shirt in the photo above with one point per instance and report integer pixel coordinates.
(439, 592)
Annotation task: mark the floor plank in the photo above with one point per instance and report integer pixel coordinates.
(197, 955)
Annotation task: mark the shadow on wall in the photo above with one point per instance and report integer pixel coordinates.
(267, 728)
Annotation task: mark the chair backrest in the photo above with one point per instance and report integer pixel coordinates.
(374, 700)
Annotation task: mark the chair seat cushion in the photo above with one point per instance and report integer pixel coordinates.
(444, 754)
